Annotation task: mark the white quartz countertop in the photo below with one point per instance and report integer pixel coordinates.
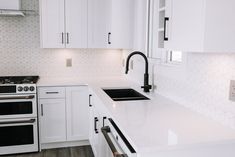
(157, 124)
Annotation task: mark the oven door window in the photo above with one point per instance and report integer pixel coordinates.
(16, 135)
(13, 108)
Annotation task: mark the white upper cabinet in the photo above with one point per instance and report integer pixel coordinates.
(98, 12)
(63, 23)
(219, 27)
(87, 24)
(52, 24)
(76, 23)
(121, 24)
(200, 26)
(183, 24)
(140, 26)
(110, 24)
(191, 26)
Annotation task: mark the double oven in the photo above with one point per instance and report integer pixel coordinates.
(18, 119)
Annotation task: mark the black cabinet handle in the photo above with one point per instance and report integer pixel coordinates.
(95, 125)
(52, 92)
(42, 113)
(67, 38)
(109, 36)
(104, 120)
(62, 39)
(165, 28)
(90, 105)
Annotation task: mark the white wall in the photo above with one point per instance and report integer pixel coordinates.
(20, 53)
(200, 83)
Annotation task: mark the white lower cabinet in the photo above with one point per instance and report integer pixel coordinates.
(98, 118)
(63, 114)
(53, 120)
(94, 132)
(77, 113)
(94, 125)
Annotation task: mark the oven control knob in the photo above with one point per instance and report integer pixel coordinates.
(31, 88)
(20, 89)
(26, 88)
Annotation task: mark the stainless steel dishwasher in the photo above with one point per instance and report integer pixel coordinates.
(115, 142)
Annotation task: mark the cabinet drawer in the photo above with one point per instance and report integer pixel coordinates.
(52, 92)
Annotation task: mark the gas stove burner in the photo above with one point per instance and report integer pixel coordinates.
(19, 79)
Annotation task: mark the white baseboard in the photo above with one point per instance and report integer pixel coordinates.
(64, 144)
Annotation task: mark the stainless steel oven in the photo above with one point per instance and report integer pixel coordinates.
(116, 143)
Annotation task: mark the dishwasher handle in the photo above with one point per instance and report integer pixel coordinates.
(105, 130)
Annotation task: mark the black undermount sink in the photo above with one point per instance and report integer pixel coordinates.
(124, 94)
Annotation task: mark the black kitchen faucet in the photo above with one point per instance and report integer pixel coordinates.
(146, 86)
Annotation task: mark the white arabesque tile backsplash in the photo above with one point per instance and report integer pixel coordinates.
(201, 83)
(20, 52)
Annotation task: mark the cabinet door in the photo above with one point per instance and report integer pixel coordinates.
(97, 121)
(95, 124)
(98, 12)
(186, 24)
(220, 26)
(52, 24)
(121, 22)
(110, 24)
(76, 23)
(53, 120)
(95, 131)
(140, 25)
(77, 113)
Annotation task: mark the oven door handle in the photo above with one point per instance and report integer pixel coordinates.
(17, 122)
(17, 97)
(105, 130)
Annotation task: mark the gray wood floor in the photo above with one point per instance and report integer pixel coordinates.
(83, 151)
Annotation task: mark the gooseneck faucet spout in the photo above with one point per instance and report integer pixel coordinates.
(146, 86)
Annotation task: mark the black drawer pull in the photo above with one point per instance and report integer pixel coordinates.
(52, 92)
(104, 118)
(90, 105)
(165, 28)
(109, 36)
(95, 125)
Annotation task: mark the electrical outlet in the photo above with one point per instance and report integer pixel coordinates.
(232, 90)
(69, 62)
